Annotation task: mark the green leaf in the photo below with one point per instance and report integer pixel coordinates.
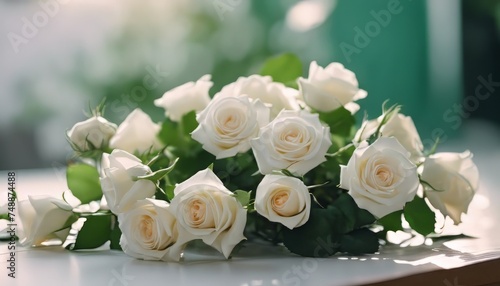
(169, 134)
(71, 219)
(189, 165)
(83, 181)
(169, 192)
(339, 223)
(155, 176)
(189, 123)
(170, 131)
(284, 68)
(348, 208)
(363, 218)
(292, 84)
(340, 121)
(316, 237)
(95, 232)
(353, 216)
(420, 217)
(4, 216)
(160, 194)
(359, 241)
(115, 235)
(391, 221)
(242, 196)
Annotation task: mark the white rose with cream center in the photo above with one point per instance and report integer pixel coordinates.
(283, 199)
(148, 231)
(228, 124)
(294, 140)
(207, 210)
(380, 177)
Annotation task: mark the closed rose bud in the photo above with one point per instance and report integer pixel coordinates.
(118, 180)
(93, 133)
(43, 218)
(453, 179)
(329, 88)
(191, 96)
(137, 133)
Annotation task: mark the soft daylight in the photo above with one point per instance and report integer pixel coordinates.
(229, 142)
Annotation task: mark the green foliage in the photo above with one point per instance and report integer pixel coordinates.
(392, 221)
(285, 68)
(363, 218)
(83, 181)
(159, 174)
(95, 232)
(169, 135)
(420, 217)
(179, 144)
(177, 135)
(115, 235)
(243, 197)
(189, 165)
(325, 232)
(73, 218)
(341, 121)
(161, 195)
(359, 241)
(238, 172)
(316, 237)
(169, 192)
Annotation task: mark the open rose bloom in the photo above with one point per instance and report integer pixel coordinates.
(380, 177)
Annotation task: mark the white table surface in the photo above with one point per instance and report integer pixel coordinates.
(269, 265)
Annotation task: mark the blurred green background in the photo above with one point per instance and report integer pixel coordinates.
(57, 58)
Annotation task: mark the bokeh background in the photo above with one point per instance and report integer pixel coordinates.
(58, 58)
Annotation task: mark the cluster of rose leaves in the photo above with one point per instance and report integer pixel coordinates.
(356, 178)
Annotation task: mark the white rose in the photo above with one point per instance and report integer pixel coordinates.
(455, 178)
(94, 132)
(327, 89)
(206, 210)
(276, 95)
(380, 177)
(398, 126)
(121, 190)
(148, 231)
(294, 140)
(283, 199)
(43, 218)
(185, 98)
(137, 133)
(228, 124)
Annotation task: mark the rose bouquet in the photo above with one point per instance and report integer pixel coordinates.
(272, 157)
